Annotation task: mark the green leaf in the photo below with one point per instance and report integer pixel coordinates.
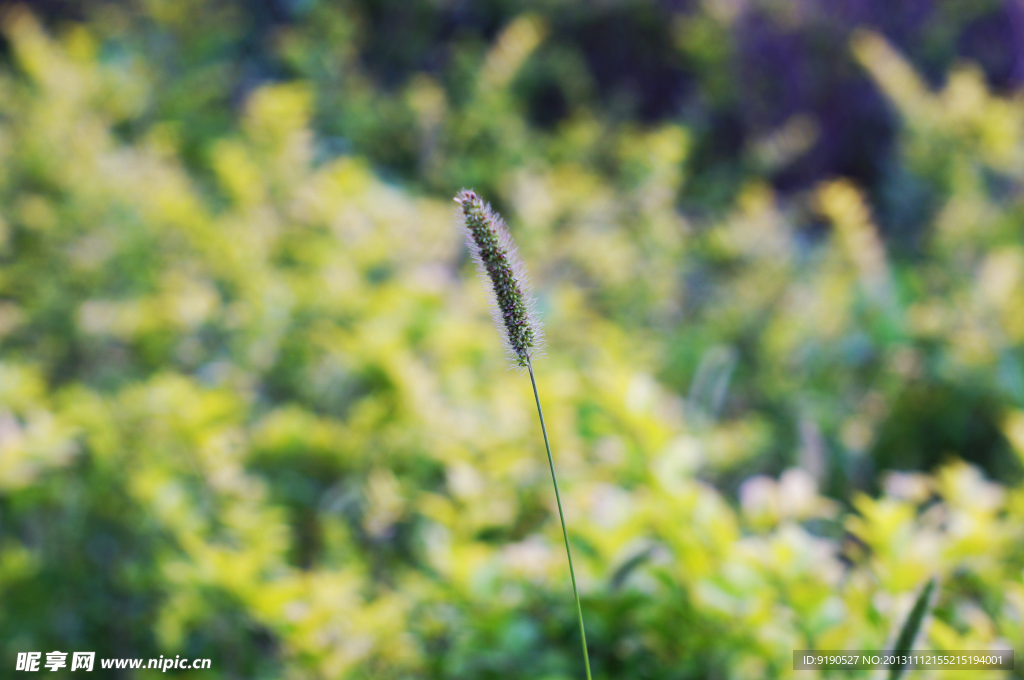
(905, 641)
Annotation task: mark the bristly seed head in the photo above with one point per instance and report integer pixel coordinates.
(495, 256)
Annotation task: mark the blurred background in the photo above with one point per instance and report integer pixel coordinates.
(252, 407)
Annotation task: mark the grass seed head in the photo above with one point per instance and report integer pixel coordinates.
(495, 255)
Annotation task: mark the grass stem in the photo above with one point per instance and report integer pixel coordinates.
(561, 516)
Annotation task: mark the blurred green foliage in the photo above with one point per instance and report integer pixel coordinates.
(251, 407)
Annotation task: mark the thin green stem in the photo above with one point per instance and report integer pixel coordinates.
(561, 516)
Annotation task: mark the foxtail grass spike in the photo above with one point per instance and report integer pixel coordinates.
(905, 641)
(496, 257)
